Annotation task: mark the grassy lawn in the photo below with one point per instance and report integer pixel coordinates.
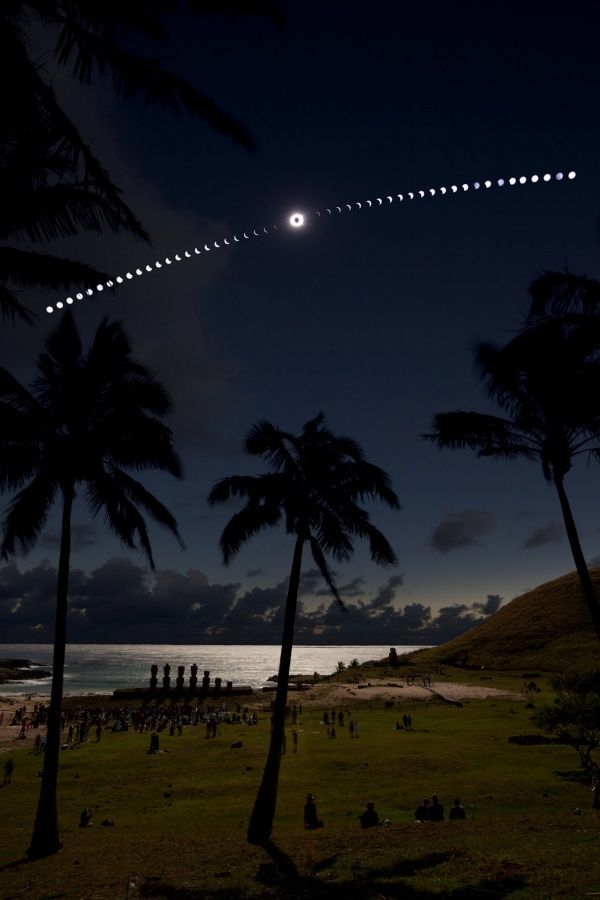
(180, 817)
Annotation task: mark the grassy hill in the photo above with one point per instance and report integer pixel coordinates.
(546, 629)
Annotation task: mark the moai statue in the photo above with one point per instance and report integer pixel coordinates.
(193, 677)
(218, 682)
(179, 679)
(166, 677)
(206, 680)
(229, 685)
(153, 678)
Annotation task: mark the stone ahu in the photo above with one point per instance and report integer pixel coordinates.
(180, 690)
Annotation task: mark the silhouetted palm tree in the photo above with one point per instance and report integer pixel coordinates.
(563, 294)
(547, 381)
(86, 420)
(43, 198)
(52, 183)
(315, 484)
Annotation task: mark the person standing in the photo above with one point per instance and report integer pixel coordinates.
(295, 739)
(9, 768)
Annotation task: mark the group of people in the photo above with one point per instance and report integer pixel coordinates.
(433, 811)
(428, 811)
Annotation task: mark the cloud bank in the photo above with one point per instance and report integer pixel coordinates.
(121, 602)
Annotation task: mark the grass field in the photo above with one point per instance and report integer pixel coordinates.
(180, 816)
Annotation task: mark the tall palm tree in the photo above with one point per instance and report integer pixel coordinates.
(87, 419)
(547, 382)
(315, 483)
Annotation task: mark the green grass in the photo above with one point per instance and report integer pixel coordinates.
(521, 838)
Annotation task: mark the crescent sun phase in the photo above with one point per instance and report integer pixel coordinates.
(298, 220)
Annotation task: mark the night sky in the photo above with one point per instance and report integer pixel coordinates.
(370, 316)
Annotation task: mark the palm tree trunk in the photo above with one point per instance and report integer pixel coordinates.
(585, 580)
(45, 839)
(261, 820)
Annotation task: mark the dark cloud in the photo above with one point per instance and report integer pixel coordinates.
(593, 562)
(254, 573)
(461, 529)
(551, 533)
(490, 605)
(121, 602)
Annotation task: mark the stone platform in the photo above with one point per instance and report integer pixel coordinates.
(199, 693)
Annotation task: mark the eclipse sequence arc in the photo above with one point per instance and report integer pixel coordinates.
(297, 220)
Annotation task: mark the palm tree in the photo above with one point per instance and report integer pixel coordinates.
(563, 294)
(315, 483)
(45, 198)
(547, 382)
(87, 419)
(51, 183)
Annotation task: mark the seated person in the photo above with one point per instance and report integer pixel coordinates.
(369, 818)
(85, 820)
(311, 819)
(436, 809)
(423, 812)
(457, 811)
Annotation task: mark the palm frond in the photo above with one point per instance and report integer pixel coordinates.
(27, 514)
(319, 558)
(141, 497)
(331, 535)
(136, 442)
(75, 147)
(88, 52)
(266, 440)
(244, 525)
(381, 550)
(253, 487)
(26, 268)
(489, 435)
(104, 493)
(60, 210)
(12, 309)
(557, 293)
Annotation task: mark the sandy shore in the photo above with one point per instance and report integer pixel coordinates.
(327, 695)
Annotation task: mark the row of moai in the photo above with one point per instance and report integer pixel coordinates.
(179, 681)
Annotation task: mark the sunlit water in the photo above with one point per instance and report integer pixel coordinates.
(101, 668)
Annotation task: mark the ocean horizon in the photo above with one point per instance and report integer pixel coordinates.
(102, 668)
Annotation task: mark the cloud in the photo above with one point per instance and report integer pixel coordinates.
(461, 529)
(121, 602)
(254, 573)
(551, 533)
(490, 605)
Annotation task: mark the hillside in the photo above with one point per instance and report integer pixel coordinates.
(546, 629)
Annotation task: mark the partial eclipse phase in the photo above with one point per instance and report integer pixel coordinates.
(298, 219)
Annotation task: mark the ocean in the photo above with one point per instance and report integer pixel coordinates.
(101, 668)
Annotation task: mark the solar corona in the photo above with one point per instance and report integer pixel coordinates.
(297, 220)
